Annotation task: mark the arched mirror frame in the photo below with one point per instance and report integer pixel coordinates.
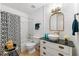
(57, 16)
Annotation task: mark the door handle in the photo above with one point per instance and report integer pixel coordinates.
(44, 53)
(44, 47)
(60, 54)
(61, 47)
(44, 42)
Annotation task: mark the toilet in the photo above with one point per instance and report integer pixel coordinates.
(32, 43)
(30, 46)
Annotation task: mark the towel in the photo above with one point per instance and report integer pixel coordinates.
(74, 26)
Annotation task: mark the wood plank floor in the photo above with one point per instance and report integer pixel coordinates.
(25, 53)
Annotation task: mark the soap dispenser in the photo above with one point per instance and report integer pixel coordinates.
(46, 36)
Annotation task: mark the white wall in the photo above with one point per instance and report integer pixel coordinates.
(24, 32)
(36, 17)
(24, 22)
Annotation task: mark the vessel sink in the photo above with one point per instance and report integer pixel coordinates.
(53, 37)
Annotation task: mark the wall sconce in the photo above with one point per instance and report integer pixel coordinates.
(55, 7)
(56, 10)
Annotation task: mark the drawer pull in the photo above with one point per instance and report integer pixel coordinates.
(61, 47)
(44, 53)
(44, 42)
(60, 54)
(44, 47)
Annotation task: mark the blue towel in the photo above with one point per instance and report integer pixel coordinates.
(75, 26)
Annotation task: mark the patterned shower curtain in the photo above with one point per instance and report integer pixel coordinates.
(10, 28)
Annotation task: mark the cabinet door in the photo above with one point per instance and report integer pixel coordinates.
(55, 46)
(44, 52)
(55, 49)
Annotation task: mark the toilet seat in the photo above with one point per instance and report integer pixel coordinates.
(30, 44)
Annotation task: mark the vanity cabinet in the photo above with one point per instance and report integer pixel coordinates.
(53, 49)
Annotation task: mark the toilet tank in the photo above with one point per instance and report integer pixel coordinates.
(36, 39)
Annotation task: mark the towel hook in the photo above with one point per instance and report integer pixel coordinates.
(75, 15)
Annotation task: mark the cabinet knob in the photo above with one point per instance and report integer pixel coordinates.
(44, 53)
(44, 47)
(60, 54)
(61, 47)
(44, 42)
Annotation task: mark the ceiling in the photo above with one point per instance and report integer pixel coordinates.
(24, 7)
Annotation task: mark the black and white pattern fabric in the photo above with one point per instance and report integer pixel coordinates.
(4, 30)
(10, 28)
